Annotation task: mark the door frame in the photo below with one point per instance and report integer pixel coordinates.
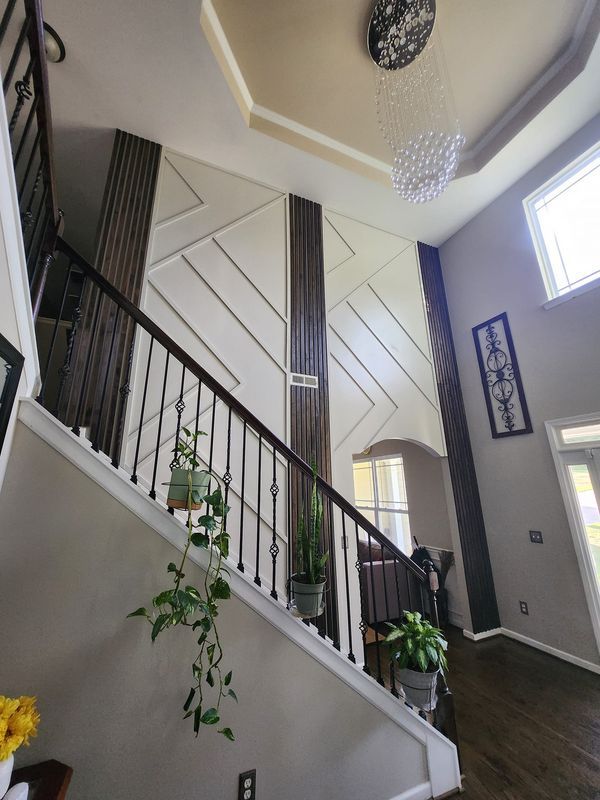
(562, 455)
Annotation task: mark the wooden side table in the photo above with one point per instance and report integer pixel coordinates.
(48, 780)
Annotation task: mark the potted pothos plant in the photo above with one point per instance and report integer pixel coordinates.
(196, 607)
(185, 466)
(419, 651)
(308, 582)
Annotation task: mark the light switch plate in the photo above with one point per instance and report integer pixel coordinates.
(524, 607)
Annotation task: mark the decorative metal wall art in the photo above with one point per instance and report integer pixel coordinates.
(501, 379)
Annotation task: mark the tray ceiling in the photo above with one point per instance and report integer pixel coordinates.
(300, 70)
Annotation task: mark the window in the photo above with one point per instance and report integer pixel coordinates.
(380, 494)
(563, 216)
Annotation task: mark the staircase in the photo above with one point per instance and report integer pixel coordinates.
(115, 392)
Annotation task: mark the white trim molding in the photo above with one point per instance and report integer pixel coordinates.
(441, 754)
(479, 637)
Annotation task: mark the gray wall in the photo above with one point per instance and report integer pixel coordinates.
(490, 266)
(73, 562)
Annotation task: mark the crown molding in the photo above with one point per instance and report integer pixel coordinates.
(545, 88)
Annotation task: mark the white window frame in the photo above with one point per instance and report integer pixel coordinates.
(563, 455)
(377, 508)
(555, 296)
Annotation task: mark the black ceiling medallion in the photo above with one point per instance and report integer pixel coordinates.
(399, 31)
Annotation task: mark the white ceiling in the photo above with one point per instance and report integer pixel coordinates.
(146, 67)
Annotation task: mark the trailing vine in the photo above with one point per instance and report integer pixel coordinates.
(189, 606)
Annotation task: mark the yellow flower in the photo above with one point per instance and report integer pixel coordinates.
(8, 706)
(18, 722)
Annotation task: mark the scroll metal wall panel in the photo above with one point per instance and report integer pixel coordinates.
(476, 557)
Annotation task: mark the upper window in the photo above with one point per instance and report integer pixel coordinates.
(563, 216)
(380, 492)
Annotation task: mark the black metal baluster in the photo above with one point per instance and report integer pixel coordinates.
(25, 131)
(408, 578)
(227, 477)
(290, 543)
(274, 548)
(109, 364)
(34, 263)
(333, 579)
(65, 369)
(212, 433)
(362, 625)
(197, 417)
(384, 563)
(134, 477)
(179, 407)
(345, 549)
(257, 580)
(10, 7)
(375, 614)
(82, 392)
(24, 93)
(400, 616)
(10, 70)
(42, 394)
(152, 492)
(124, 392)
(240, 565)
(30, 160)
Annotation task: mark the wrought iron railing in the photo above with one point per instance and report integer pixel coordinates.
(27, 101)
(117, 379)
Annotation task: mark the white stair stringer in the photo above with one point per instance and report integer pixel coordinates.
(442, 758)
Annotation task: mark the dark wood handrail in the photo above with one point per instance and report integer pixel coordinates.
(33, 10)
(268, 436)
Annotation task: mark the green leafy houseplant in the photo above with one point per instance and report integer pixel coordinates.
(197, 608)
(308, 583)
(419, 650)
(415, 644)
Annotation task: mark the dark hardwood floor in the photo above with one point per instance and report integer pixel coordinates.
(528, 723)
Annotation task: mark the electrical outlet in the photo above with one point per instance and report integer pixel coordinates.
(524, 607)
(247, 785)
(536, 537)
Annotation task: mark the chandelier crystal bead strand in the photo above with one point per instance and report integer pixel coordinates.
(414, 104)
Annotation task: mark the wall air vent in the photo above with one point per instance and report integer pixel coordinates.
(308, 381)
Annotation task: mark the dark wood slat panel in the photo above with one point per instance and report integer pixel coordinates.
(121, 252)
(476, 557)
(310, 437)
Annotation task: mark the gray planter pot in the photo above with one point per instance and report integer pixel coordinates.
(420, 688)
(178, 488)
(308, 597)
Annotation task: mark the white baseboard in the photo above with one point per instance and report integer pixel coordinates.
(553, 651)
(420, 792)
(478, 637)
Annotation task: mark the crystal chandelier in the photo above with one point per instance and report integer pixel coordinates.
(414, 103)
